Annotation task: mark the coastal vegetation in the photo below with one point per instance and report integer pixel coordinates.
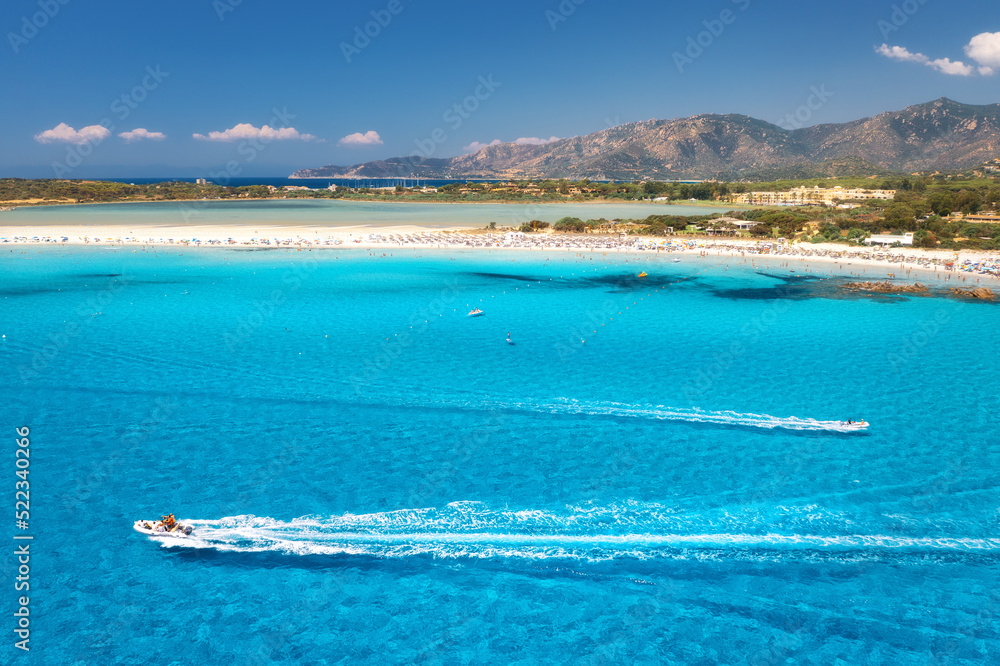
(933, 208)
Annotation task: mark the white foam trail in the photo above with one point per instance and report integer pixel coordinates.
(468, 530)
(605, 408)
(692, 415)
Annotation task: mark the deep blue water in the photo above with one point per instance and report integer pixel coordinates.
(653, 473)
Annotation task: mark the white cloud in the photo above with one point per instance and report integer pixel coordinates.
(369, 138)
(956, 68)
(247, 131)
(63, 133)
(476, 146)
(534, 141)
(984, 48)
(901, 53)
(943, 65)
(140, 133)
(523, 141)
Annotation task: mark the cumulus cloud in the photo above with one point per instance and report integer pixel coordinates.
(244, 131)
(522, 141)
(63, 133)
(369, 138)
(478, 145)
(901, 53)
(985, 50)
(139, 133)
(956, 68)
(943, 65)
(534, 141)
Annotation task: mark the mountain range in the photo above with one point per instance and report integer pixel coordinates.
(942, 135)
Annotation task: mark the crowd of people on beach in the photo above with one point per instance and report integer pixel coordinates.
(981, 265)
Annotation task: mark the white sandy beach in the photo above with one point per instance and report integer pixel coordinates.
(890, 262)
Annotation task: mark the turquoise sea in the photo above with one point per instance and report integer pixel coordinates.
(654, 472)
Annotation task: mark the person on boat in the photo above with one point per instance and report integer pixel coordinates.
(170, 522)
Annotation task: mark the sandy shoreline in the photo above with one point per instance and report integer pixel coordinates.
(892, 262)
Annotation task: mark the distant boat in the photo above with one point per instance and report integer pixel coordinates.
(643, 274)
(855, 425)
(476, 312)
(677, 260)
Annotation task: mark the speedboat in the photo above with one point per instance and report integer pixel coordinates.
(156, 528)
(476, 313)
(855, 425)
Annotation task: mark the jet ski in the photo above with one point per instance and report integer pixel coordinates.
(158, 528)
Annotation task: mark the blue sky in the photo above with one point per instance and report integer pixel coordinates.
(170, 70)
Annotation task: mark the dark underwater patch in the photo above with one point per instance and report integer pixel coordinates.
(618, 283)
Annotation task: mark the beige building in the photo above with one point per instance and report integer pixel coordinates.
(811, 196)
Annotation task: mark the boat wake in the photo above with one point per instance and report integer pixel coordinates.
(570, 406)
(470, 530)
(726, 418)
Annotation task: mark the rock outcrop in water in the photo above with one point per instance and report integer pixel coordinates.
(982, 293)
(886, 287)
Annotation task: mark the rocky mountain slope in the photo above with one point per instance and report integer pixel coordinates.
(941, 135)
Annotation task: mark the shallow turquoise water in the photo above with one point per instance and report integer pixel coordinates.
(335, 213)
(653, 473)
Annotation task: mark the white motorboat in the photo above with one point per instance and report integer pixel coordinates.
(157, 528)
(855, 425)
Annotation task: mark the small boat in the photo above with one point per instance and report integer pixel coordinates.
(476, 312)
(643, 274)
(855, 425)
(157, 528)
(677, 260)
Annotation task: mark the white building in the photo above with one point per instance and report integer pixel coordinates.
(889, 239)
